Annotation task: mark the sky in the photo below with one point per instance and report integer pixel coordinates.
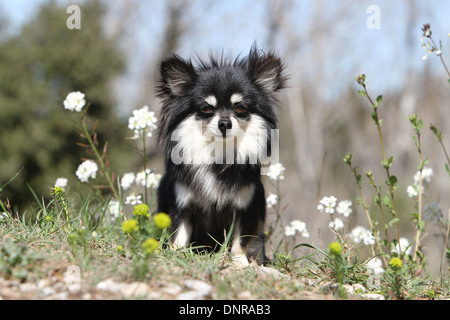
(385, 52)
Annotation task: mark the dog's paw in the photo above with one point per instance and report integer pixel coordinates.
(240, 261)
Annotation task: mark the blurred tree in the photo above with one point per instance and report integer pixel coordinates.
(38, 68)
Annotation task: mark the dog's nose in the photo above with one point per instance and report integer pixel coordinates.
(224, 124)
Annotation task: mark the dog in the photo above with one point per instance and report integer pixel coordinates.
(216, 128)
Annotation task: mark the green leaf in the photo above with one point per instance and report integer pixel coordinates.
(3, 186)
(379, 99)
(393, 221)
(362, 93)
(392, 180)
(387, 201)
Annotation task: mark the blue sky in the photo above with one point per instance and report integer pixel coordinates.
(348, 46)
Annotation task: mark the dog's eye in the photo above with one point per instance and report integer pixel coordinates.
(240, 109)
(207, 109)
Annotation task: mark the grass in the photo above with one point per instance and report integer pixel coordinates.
(36, 250)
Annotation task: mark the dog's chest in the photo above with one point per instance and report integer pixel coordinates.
(206, 190)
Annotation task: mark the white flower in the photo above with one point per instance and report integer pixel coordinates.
(360, 234)
(114, 208)
(426, 175)
(289, 231)
(327, 204)
(133, 199)
(336, 224)
(412, 191)
(142, 122)
(375, 265)
(344, 208)
(276, 171)
(152, 180)
(402, 246)
(61, 183)
(74, 101)
(439, 52)
(127, 180)
(86, 170)
(296, 226)
(272, 200)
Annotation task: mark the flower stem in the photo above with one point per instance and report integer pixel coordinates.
(145, 169)
(100, 159)
(386, 162)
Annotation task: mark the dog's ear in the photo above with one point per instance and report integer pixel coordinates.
(266, 70)
(176, 75)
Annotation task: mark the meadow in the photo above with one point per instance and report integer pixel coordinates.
(108, 242)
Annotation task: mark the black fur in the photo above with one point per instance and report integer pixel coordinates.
(183, 88)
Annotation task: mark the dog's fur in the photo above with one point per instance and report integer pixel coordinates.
(217, 104)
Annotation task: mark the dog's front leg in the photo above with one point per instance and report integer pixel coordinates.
(182, 236)
(238, 253)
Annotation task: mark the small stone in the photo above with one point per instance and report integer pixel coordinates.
(373, 296)
(191, 295)
(28, 287)
(171, 288)
(197, 285)
(199, 290)
(110, 285)
(135, 289)
(245, 295)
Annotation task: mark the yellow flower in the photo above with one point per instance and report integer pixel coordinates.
(130, 226)
(141, 210)
(396, 263)
(150, 245)
(162, 220)
(335, 248)
(58, 191)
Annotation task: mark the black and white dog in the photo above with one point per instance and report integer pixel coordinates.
(217, 126)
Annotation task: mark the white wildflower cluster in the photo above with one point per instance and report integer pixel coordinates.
(429, 48)
(113, 209)
(61, 183)
(148, 178)
(87, 170)
(276, 171)
(272, 200)
(133, 199)
(402, 247)
(358, 234)
(74, 101)
(328, 204)
(413, 190)
(296, 226)
(375, 265)
(142, 178)
(336, 225)
(362, 235)
(142, 122)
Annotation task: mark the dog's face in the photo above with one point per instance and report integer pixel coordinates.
(220, 99)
